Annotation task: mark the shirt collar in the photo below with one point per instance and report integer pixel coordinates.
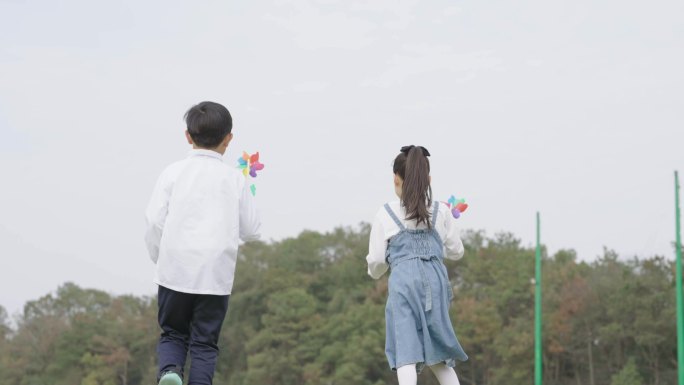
(203, 152)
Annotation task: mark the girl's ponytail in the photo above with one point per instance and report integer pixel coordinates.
(413, 166)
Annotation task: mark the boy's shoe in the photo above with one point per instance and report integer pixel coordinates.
(170, 378)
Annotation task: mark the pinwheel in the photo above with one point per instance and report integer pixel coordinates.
(249, 164)
(457, 206)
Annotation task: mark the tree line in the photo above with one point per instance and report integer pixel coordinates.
(304, 311)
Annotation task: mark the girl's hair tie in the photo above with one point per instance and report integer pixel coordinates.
(405, 150)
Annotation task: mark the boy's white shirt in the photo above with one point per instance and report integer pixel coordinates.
(385, 228)
(199, 211)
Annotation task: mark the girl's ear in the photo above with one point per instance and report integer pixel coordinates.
(397, 180)
(188, 137)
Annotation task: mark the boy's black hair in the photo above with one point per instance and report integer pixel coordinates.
(208, 124)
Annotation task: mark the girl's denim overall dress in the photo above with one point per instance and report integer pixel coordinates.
(418, 327)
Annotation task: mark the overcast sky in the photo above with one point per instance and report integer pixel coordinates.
(571, 108)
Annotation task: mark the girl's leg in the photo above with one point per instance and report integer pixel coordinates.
(445, 375)
(407, 374)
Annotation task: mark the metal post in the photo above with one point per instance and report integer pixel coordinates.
(537, 313)
(680, 308)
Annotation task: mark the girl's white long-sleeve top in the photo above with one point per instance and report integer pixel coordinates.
(199, 210)
(385, 228)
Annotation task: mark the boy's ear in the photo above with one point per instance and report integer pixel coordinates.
(188, 137)
(227, 139)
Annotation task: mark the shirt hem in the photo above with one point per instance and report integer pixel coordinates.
(191, 291)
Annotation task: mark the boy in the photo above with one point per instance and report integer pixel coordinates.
(199, 210)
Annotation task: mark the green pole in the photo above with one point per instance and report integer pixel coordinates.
(680, 308)
(537, 313)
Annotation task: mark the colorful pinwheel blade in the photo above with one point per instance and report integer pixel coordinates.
(254, 158)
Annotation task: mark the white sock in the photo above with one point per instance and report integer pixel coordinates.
(407, 375)
(445, 375)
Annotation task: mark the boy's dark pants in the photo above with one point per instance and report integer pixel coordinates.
(190, 321)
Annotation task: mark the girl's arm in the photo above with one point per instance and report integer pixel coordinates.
(376, 249)
(452, 240)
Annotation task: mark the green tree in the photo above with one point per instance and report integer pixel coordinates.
(276, 352)
(629, 375)
(304, 311)
(5, 328)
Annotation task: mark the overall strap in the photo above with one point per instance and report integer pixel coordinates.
(394, 216)
(434, 214)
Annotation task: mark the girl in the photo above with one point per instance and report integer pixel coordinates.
(411, 237)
